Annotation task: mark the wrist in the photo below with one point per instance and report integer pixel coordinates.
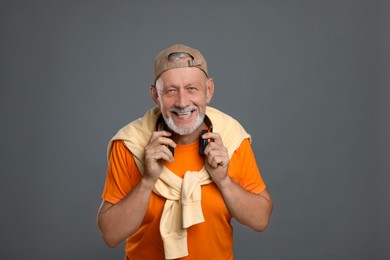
(148, 182)
(224, 183)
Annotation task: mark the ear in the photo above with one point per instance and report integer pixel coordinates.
(210, 89)
(154, 94)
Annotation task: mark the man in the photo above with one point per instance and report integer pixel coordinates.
(178, 175)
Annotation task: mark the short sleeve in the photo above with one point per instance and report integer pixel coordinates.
(244, 170)
(122, 173)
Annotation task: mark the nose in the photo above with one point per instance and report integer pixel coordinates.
(182, 99)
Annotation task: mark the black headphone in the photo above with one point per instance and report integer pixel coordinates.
(202, 142)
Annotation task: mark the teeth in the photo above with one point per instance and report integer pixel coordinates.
(184, 114)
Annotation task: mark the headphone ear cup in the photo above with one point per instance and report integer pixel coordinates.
(203, 142)
(172, 150)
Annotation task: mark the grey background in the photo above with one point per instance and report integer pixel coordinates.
(308, 79)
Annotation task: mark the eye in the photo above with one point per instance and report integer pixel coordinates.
(192, 89)
(171, 91)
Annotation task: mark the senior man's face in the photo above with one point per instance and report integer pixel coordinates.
(182, 95)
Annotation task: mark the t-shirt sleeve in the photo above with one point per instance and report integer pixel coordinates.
(122, 173)
(244, 170)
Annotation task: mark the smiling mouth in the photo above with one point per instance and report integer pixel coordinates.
(183, 113)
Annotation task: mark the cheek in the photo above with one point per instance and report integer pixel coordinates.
(166, 104)
(201, 100)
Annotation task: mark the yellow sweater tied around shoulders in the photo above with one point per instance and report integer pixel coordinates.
(183, 207)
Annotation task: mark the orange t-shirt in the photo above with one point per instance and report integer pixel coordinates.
(212, 239)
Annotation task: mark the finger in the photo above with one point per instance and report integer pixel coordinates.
(165, 149)
(216, 162)
(161, 139)
(165, 141)
(157, 134)
(215, 149)
(217, 158)
(166, 154)
(161, 153)
(215, 137)
(156, 144)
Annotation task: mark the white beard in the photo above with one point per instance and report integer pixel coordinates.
(177, 130)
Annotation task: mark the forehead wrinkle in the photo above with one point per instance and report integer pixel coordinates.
(197, 77)
(179, 83)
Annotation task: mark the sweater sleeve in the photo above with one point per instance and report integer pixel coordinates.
(122, 173)
(244, 170)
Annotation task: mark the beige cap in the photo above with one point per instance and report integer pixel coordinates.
(161, 63)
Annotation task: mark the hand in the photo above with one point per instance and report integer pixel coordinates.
(217, 158)
(156, 152)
